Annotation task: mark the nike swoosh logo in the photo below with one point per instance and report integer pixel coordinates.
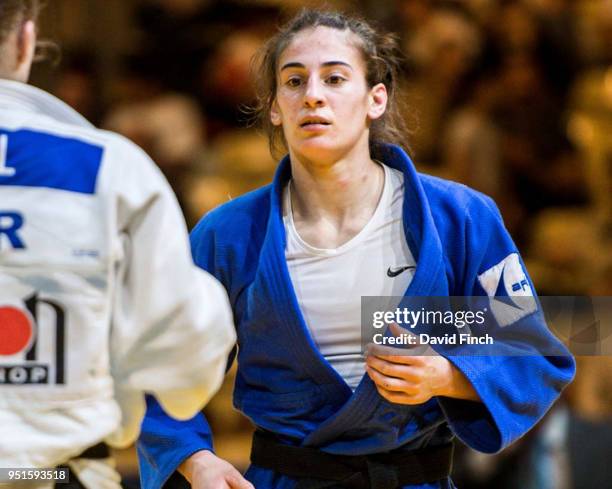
(395, 272)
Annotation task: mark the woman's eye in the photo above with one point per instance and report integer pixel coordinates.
(294, 82)
(335, 79)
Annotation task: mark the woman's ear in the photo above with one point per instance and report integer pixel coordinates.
(275, 116)
(378, 98)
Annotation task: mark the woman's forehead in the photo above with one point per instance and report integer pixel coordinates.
(321, 45)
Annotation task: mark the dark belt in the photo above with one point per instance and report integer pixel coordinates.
(315, 469)
(101, 450)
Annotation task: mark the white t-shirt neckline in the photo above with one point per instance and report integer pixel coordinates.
(355, 240)
(329, 284)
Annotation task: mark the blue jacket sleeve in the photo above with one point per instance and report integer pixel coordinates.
(516, 388)
(165, 442)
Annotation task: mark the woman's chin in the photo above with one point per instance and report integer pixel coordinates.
(318, 149)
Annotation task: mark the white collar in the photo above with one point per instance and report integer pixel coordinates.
(17, 95)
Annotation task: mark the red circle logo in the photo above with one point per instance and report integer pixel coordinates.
(15, 330)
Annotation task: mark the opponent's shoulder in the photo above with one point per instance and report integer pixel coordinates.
(45, 124)
(127, 170)
(115, 151)
(123, 152)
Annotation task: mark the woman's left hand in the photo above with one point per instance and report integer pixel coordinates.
(414, 379)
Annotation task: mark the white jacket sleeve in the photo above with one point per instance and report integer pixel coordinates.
(172, 327)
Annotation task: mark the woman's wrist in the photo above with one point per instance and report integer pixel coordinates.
(198, 458)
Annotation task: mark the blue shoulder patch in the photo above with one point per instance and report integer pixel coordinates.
(37, 159)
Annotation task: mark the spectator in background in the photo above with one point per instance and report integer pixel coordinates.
(470, 143)
(195, 41)
(168, 125)
(442, 51)
(541, 165)
(76, 83)
(225, 86)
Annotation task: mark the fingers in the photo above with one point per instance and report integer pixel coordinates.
(393, 355)
(396, 330)
(396, 382)
(236, 481)
(401, 397)
(391, 369)
(392, 384)
(398, 377)
(233, 480)
(204, 470)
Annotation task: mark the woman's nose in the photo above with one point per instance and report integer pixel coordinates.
(313, 95)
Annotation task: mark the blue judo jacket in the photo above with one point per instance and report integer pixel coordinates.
(284, 384)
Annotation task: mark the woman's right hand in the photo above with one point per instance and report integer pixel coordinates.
(204, 470)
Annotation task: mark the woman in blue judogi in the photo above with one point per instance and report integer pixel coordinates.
(348, 216)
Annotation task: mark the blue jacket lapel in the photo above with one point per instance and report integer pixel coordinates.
(273, 282)
(429, 279)
(273, 285)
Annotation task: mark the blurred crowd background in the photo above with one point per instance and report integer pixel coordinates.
(511, 97)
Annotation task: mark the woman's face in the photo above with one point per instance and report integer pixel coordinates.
(323, 102)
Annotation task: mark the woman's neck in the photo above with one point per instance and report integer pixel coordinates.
(332, 202)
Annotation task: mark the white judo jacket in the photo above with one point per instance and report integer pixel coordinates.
(100, 301)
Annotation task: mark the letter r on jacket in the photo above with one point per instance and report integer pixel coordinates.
(10, 223)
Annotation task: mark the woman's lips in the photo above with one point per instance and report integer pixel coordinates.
(315, 125)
